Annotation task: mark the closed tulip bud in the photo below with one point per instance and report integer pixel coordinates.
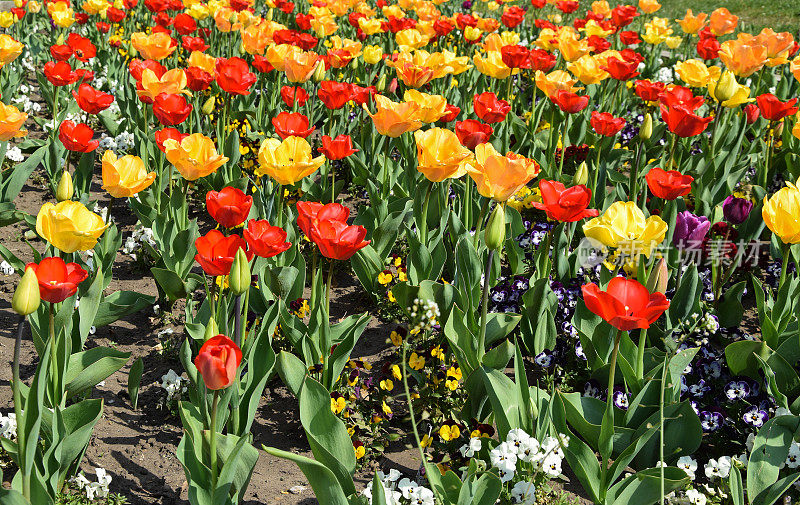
(208, 106)
(319, 73)
(381, 86)
(726, 87)
(239, 278)
(65, 189)
(133, 52)
(646, 130)
(581, 176)
(354, 63)
(26, 297)
(60, 39)
(211, 329)
(495, 233)
(269, 15)
(659, 278)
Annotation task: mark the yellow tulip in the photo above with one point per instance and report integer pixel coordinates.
(156, 46)
(431, 107)
(623, 226)
(554, 81)
(740, 94)
(373, 54)
(7, 18)
(11, 121)
(394, 119)
(370, 26)
(202, 60)
(278, 54)
(69, 226)
(781, 214)
(126, 176)
(491, 64)
(587, 70)
(440, 154)
(499, 177)
(570, 46)
(693, 72)
(9, 49)
(289, 161)
(194, 157)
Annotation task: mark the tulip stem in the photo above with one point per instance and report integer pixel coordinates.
(563, 148)
(313, 277)
(610, 403)
(479, 224)
(640, 354)
(53, 356)
(21, 434)
(713, 141)
(667, 359)
(485, 305)
(785, 265)
(328, 289)
(633, 185)
(237, 321)
(213, 442)
(423, 224)
(768, 157)
(465, 216)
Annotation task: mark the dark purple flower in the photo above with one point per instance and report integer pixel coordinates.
(755, 417)
(690, 230)
(736, 210)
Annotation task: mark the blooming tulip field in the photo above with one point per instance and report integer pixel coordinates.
(399, 252)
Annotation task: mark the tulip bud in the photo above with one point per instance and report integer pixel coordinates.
(495, 233)
(381, 85)
(65, 190)
(752, 112)
(319, 73)
(354, 63)
(659, 277)
(18, 3)
(133, 52)
(646, 130)
(581, 176)
(726, 87)
(60, 39)
(211, 329)
(208, 106)
(239, 278)
(269, 15)
(26, 297)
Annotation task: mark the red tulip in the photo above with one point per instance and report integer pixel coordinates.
(115, 15)
(679, 95)
(513, 16)
(77, 137)
(262, 64)
(625, 304)
(539, 59)
(629, 38)
(136, 67)
(708, 48)
(337, 148)
(171, 109)
(194, 43)
(620, 69)
(198, 79)
(218, 360)
(363, 95)
(773, 109)
(649, 91)
(215, 252)
(234, 76)
(451, 112)
(472, 133)
(57, 280)
(265, 240)
(90, 100)
(337, 240)
(606, 124)
(668, 184)
(59, 73)
(84, 75)
(516, 56)
(567, 6)
(289, 94)
(229, 206)
(569, 102)
(168, 133)
(752, 112)
(489, 108)
(683, 122)
(291, 124)
(622, 15)
(184, 24)
(335, 94)
(82, 48)
(566, 205)
(60, 52)
(309, 213)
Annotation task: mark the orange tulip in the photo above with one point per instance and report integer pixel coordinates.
(778, 45)
(497, 176)
(155, 46)
(571, 46)
(9, 49)
(300, 67)
(414, 76)
(11, 121)
(126, 176)
(722, 22)
(394, 119)
(173, 82)
(692, 24)
(202, 60)
(649, 6)
(431, 107)
(440, 154)
(743, 58)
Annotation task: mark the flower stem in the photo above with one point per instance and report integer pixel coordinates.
(423, 224)
(484, 305)
(784, 265)
(53, 356)
(661, 424)
(213, 442)
(328, 289)
(21, 434)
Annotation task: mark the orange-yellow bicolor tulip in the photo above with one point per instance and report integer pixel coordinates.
(497, 176)
(10, 48)
(743, 58)
(125, 177)
(11, 121)
(431, 107)
(394, 119)
(300, 67)
(554, 81)
(155, 46)
(722, 22)
(173, 82)
(440, 154)
(195, 156)
(692, 24)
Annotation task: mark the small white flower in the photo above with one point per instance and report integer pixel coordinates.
(695, 497)
(718, 468)
(503, 456)
(524, 492)
(6, 268)
(688, 465)
(551, 465)
(529, 451)
(469, 449)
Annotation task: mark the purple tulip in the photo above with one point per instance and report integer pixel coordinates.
(690, 230)
(467, 5)
(736, 210)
